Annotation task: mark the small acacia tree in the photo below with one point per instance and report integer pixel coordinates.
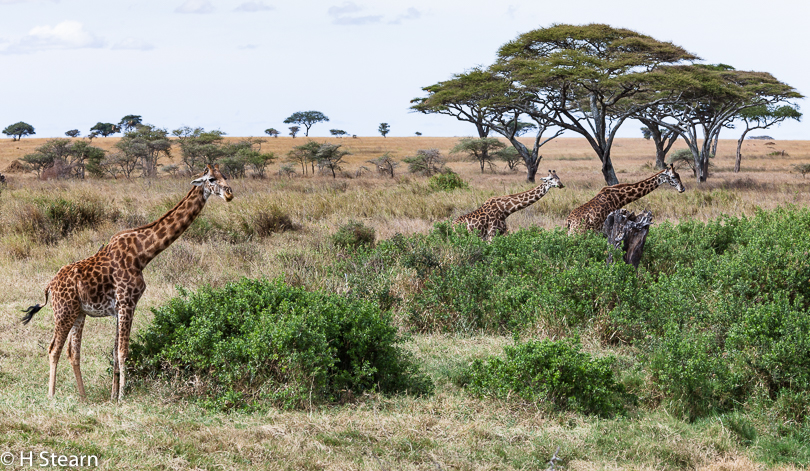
(306, 118)
(338, 132)
(303, 155)
(330, 157)
(479, 150)
(200, 147)
(384, 129)
(272, 132)
(511, 157)
(17, 130)
(294, 130)
(72, 133)
(426, 162)
(763, 117)
(385, 164)
(146, 144)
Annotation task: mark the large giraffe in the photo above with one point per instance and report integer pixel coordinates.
(592, 214)
(110, 283)
(490, 219)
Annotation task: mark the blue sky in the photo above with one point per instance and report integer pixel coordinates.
(244, 66)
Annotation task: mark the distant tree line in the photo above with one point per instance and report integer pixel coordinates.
(142, 147)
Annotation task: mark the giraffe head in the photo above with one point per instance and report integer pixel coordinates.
(552, 180)
(214, 183)
(669, 175)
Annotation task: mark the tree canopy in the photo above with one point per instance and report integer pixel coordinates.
(306, 118)
(105, 129)
(129, 122)
(384, 129)
(17, 130)
(698, 101)
(587, 79)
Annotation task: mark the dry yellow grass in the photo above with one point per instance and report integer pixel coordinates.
(154, 430)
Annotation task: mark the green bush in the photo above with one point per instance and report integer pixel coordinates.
(558, 373)
(447, 181)
(353, 235)
(689, 368)
(253, 343)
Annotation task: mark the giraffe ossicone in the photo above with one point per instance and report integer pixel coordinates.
(592, 214)
(490, 219)
(111, 282)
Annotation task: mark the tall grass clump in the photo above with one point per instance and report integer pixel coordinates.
(47, 220)
(257, 343)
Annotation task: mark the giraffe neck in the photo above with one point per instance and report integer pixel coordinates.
(632, 192)
(146, 242)
(525, 199)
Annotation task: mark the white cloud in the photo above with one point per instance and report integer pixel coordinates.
(340, 15)
(252, 7)
(195, 6)
(410, 14)
(65, 35)
(133, 44)
(346, 8)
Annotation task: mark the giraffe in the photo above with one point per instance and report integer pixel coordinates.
(592, 214)
(110, 283)
(490, 219)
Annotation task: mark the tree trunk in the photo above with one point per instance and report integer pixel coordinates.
(607, 170)
(629, 230)
(739, 150)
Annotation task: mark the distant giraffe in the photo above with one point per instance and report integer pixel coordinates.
(490, 219)
(110, 283)
(592, 214)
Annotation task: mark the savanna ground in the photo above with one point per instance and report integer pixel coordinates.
(154, 429)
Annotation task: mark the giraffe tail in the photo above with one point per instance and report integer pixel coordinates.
(29, 313)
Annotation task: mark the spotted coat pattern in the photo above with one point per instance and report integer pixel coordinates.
(111, 282)
(490, 219)
(592, 214)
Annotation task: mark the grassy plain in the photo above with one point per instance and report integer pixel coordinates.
(154, 429)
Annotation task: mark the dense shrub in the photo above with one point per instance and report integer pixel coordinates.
(253, 342)
(718, 309)
(558, 373)
(353, 235)
(447, 181)
(688, 367)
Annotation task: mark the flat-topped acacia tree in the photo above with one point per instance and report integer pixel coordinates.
(17, 130)
(586, 78)
(698, 101)
(306, 118)
(491, 103)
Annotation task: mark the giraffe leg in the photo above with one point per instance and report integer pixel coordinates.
(114, 393)
(74, 352)
(63, 320)
(122, 350)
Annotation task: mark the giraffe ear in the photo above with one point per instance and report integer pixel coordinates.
(203, 178)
